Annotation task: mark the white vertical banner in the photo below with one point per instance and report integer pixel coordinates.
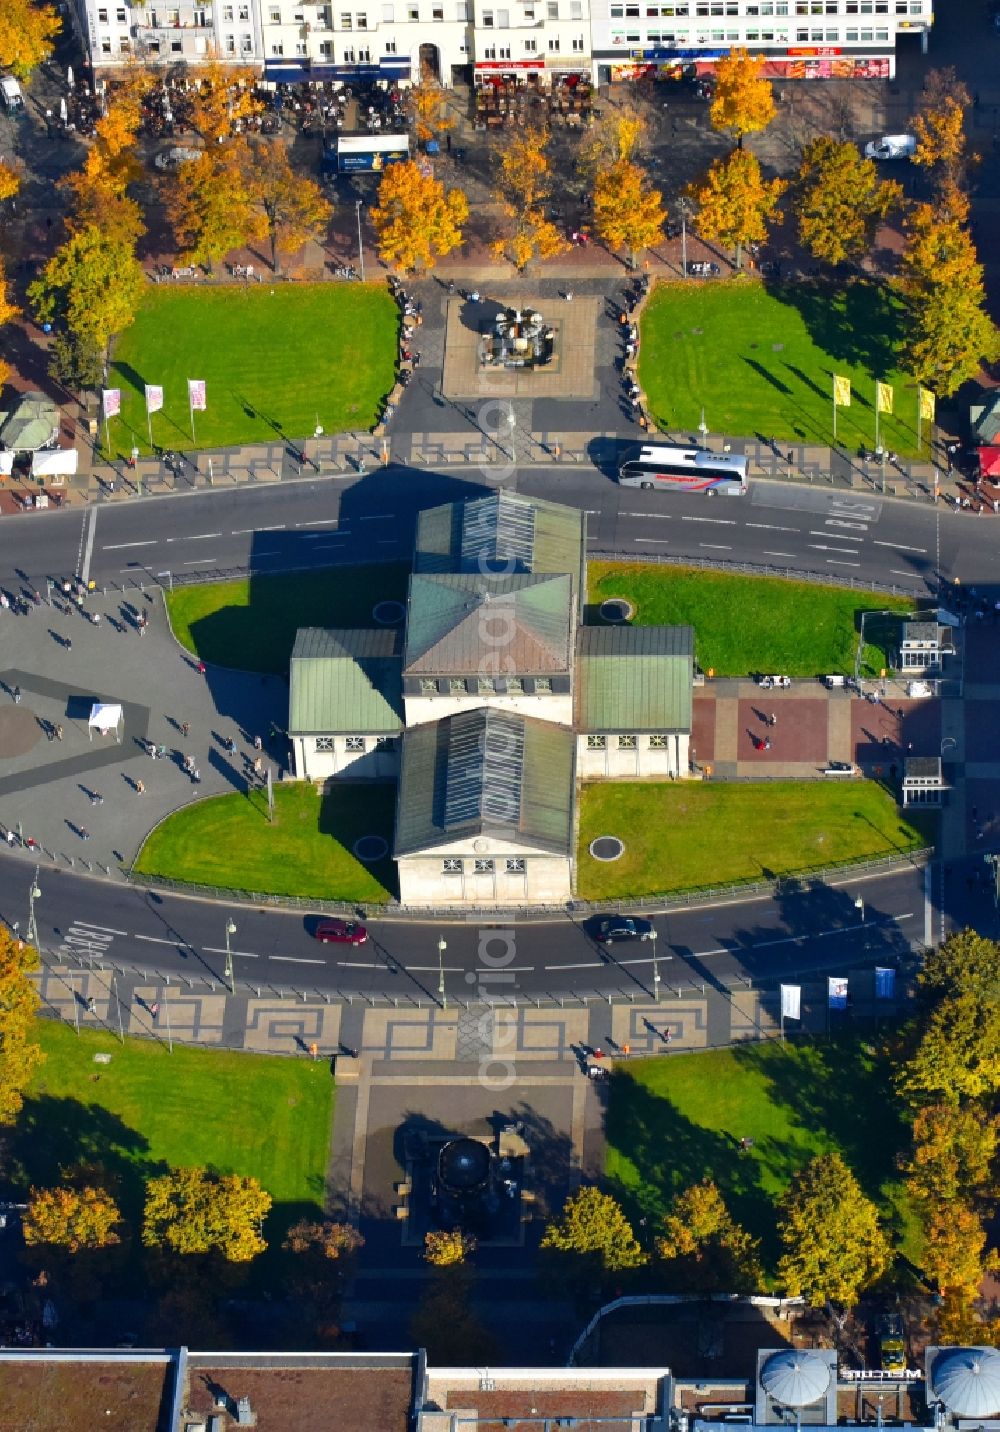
(154, 398)
(196, 400)
(111, 400)
(837, 992)
(791, 1001)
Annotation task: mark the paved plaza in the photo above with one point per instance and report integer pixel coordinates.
(569, 374)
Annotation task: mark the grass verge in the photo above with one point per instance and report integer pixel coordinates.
(276, 360)
(228, 842)
(760, 359)
(675, 1120)
(251, 623)
(746, 624)
(688, 835)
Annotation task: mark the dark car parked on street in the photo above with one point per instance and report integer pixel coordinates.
(622, 927)
(340, 932)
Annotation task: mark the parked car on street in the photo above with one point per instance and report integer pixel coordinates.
(892, 146)
(340, 932)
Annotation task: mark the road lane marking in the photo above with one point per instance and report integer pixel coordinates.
(833, 562)
(897, 573)
(121, 546)
(591, 965)
(818, 547)
(715, 546)
(243, 954)
(379, 517)
(200, 562)
(195, 537)
(89, 531)
(899, 547)
(105, 929)
(834, 537)
(770, 527)
(156, 940)
(315, 522)
(293, 960)
(663, 516)
(778, 554)
(719, 521)
(835, 522)
(656, 541)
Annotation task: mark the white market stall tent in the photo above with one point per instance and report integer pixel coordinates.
(105, 717)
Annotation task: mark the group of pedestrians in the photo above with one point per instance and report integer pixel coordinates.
(770, 720)
(629, 332)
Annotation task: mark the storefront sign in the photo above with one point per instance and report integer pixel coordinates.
(824, 50)
(509, 66)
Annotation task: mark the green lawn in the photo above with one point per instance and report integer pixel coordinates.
(148, 1110)
(686, 835)
(675, 1120)
(760, 360)
(276, 358)
(228, 841)
(749, 624)
(251, 624)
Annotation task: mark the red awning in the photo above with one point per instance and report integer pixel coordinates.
(989, 461)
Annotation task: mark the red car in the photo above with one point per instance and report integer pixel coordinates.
(340, 932)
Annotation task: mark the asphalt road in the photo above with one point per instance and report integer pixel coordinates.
(720, 944)
(319, 523)
(331, 520)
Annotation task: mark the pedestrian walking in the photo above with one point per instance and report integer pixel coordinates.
(60, 733)
(11, 838)
(201, 668)
(185, 728)
(96, 798)
(84, 833)
(140, 787)
(91, 1004)
(258, 744)
(16, 693)
(154, 1008)
(767, 743)
(231, 746)
(772, 720)
(68, 643)
(196, 776)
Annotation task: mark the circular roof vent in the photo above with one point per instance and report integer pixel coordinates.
(795, 1378)
(464, 1165)
(967, 1380)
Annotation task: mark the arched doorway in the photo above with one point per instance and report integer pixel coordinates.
(430, 64)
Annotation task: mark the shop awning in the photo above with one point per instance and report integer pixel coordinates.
(989, 461)
(286, 71)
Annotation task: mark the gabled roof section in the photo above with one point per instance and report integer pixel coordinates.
(345, 680)
(502, 533)
(486, 772)
(634, 678)
(459, 621)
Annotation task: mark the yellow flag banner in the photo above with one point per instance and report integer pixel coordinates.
(926, 400)
(842, 391)
(883, 397)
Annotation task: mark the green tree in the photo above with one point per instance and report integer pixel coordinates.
(956, 1037)
(71, 1218)
(734, 202)
(76, 363)
(416, 220)
(840, 200)
(591, 1237)
(954, 1241)
(833, 1244)
(447, 1248)
(27, 32)
(524, 186)
(446, 1325)
(948, 333)
(293, 206)
(744, 100)
(939, 126)
(707, 1250)
(19, 1055)
(194, 1211)
(953, 1151)
(628, 214)
(93, 283)
(614, 138)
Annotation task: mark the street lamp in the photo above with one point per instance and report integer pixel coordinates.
(361, 250)
(230, 930)
(656, 969)
(33, 894)
(442, 946)
(703, 427)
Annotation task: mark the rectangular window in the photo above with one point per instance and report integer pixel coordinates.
(529, 13)
(451, 866)
(428, 686)
(390, 47)
(325, 743)
(177, 47)
(617, 12)
(490, 52)
(657, 743)
(456, 686)
(227, 14)
(274, 15)
(514, 865)
(626, 743)
(105, 47)
(543, 684)
(354, 743)
(230, 44)
(384, 743)
(362, 20)
(552, 9)
(120, 16)
(881, 35)
(244, 14)
(346, 20)
(596, 743)
(576, 9)
(326, 49)
(487, 19)
(850, 36)
(349, 55)
(514, 685)
(486, 685)
(246, 44)
(505, 52)
(301, 49)
(578, 44)
(102, 17)
(530, 46)
(482, 866)
(413, 12)
(437, 12)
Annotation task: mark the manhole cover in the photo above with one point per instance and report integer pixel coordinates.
(607, 847)
(370, 848)
(389, 613)
(616, 609)
(19, 730)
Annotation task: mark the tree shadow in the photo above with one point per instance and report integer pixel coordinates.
(768, 377)
(857, 323)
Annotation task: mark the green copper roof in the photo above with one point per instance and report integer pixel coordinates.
(345, 681)
(486, 772)
(458, 621)
(634, 678)
(502, 532)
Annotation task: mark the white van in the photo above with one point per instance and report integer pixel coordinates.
(10, 93)
(892, 146)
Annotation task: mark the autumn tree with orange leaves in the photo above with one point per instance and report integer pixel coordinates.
(524, 187)
(743, 102)
(734, 202)
(417, 220)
